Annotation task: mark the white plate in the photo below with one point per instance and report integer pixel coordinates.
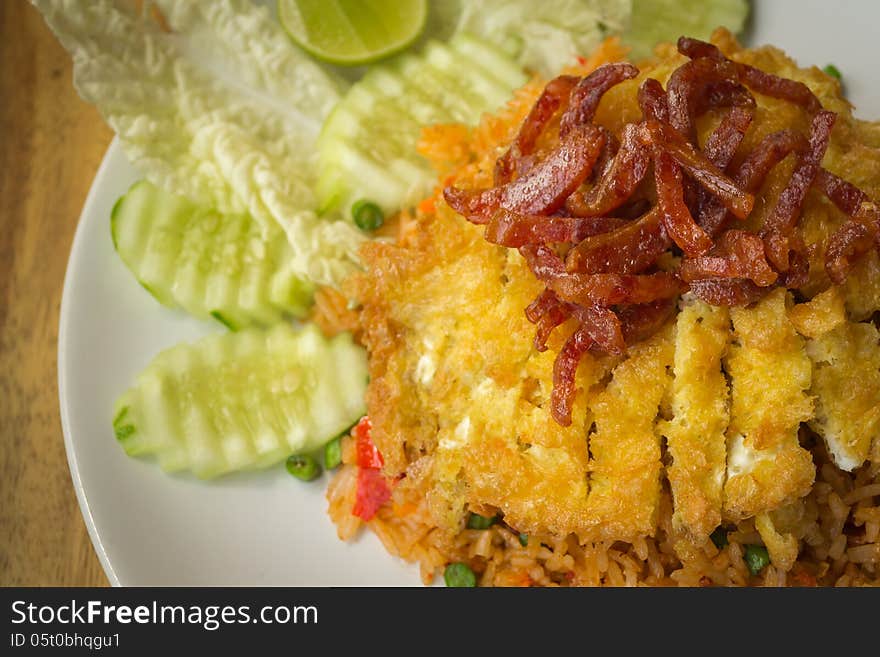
(149, 528)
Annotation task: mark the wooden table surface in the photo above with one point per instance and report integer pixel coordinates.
(51, 144)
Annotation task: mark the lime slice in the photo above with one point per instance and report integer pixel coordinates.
(352, 32)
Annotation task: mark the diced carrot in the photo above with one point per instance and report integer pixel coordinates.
(405, 509)
(804, 578)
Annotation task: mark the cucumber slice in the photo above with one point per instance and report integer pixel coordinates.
(487, 56)
(480, 84)
(450, 96)
(242, 401)
(653, 21)
(367, 147)
(209, 264)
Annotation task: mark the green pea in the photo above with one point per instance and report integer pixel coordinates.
(480, 522)
(303, 466)
(757, 558)
(459, 575)
(524, 540)
(719, 538)
(833, 71)
(367, 215)
(333, 453)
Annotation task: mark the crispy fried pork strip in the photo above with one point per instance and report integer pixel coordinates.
(780, 224)
(726, 138)
(619, 181)
(720, 149)
(564, 374)
(760, 81)
(749, 175)
(737, 254)
(613, 289)
(727, 291)
(769, 152)
(546, 312)
(514, 230)
(606, 157)
(542, 304)
(641, 321)
(632, 248)
(855, 238)
(699, 166)
(858, 235)
(544, 189)
(603, 326)
(693, 89)
(588, 92)
(697, 48)
(691, 86)
(554, 96)
(606, 289)
(676, 217)
(798, 272)
(725, 93)
(653, 101)
(847, 197)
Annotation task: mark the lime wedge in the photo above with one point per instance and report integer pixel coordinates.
(352, 32)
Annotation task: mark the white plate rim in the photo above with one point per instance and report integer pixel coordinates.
(63, 374)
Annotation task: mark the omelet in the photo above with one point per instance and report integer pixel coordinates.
(713, 407)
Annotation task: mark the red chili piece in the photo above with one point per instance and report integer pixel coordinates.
(373, 489)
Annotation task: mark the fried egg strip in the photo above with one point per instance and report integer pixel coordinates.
(846, 383)
(625, 446)
(846, 376)
(695, 437)
(770, 373)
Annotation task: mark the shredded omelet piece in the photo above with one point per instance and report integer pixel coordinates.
(846, 384)
(695, 436)
(846, 376)
(781, 545)
(822, 313)
(770, 374)
(625, 446)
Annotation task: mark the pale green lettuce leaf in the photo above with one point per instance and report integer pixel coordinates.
(544, 35)
(223, 109)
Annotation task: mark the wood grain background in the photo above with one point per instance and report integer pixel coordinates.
(51, 144)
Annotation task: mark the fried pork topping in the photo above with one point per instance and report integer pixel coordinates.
(599, 236)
